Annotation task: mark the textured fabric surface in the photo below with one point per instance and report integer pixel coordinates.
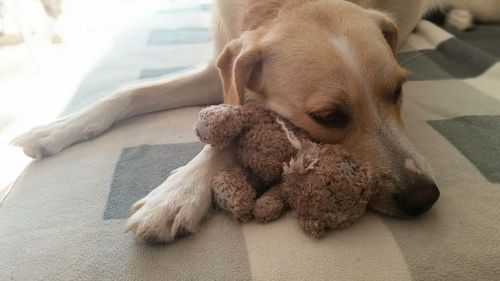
(64, 218)
(142, 168)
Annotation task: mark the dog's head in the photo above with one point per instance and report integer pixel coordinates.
(330, 68)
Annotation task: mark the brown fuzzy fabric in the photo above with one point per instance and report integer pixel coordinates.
(322, 182)
(331, 195)
(233, 194)
(209, 129)
(270, 205)
(263, 149)
(262, 145)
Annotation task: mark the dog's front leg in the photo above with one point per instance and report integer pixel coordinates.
(198, 87)
(177, 206)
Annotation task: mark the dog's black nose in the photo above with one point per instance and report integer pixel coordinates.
(418, 197)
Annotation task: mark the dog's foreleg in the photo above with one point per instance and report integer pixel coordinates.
(176, 207)
(198, 87)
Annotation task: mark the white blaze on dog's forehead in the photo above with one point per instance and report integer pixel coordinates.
(410, 165)
(349, 56)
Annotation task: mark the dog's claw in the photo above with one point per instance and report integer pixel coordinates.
(175, 226)
(130, 226)
(137, 205)
(139, 233)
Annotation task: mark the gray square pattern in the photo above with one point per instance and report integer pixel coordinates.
(142, 168)
(477, 138)
(179, 36)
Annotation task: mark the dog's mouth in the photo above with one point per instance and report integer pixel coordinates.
(391, 212)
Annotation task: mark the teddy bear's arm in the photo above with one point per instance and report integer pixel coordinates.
(234, 194)
(218, 125)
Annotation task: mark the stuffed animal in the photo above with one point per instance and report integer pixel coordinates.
(279, 167)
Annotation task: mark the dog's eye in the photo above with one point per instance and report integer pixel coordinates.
(396, 95)
(331, 118)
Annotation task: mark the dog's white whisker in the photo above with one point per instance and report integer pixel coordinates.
(410, 59)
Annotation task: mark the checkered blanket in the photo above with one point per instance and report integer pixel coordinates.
(64, 218)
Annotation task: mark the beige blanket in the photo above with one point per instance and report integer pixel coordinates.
(64, 218)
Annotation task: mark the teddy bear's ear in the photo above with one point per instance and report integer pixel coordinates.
(240, 65)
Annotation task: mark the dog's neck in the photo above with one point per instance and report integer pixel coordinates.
(260, 12)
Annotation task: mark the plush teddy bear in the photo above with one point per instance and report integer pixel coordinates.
(278, 166)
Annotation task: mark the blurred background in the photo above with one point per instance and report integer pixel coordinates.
(59, 56)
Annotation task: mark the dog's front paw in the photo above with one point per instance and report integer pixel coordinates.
(173, 209)
(155, 221)
(44, 141)
(48, 140)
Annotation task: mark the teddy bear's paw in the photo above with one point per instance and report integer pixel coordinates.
(218, 125)
(268, 208)
(314, 228)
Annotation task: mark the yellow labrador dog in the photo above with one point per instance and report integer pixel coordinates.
(326, 65)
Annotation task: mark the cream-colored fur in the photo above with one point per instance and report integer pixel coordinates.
(290, 64)
(462, 13)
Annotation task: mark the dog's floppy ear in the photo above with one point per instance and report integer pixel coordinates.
(240, 68)
(389, 29)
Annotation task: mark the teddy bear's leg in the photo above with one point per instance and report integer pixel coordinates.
(314, 227)
(234, 194)
(270, 206)
(318, 227)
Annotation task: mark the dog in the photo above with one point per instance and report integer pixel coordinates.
(328, 66)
